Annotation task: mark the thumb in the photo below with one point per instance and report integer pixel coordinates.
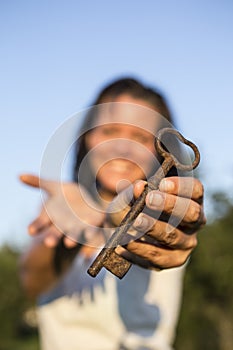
(35, 181)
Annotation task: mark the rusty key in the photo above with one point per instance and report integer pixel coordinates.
(107, 257)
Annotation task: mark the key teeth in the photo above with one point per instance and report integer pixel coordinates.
(114, 263)
(117, 265)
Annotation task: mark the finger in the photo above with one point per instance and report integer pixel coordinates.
(52, 236)
(139, 187)
(144, 223)
(158, 256)
(35, 181)
(188, 187)
(187, 210)
(164, 233)
(133, 258)
(69, 242)
(30, 180)
(39, 224)
(190, 228)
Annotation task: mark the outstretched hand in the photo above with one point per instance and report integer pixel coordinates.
(68, 210)
(156, 243)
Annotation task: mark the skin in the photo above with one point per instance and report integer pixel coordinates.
(130, 152)
(127, 161)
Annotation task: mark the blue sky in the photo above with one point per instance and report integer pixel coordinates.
(56, 55)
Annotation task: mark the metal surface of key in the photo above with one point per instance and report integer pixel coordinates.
(107, 257)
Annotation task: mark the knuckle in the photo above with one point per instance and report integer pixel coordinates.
(195, 212)
(153, 253)
(192, 242)
(165, 234)
(198, 189)
(182, 258)
(169, 237)
(154, 256)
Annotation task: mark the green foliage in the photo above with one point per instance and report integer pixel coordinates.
(207, 314)
(14, 332)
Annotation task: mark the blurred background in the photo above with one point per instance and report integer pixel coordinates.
(55, 56)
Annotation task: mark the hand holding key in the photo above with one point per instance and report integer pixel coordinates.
(117, 264)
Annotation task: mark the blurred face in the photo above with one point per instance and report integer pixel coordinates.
(121, 146)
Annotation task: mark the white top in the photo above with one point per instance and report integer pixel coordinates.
(139, 312)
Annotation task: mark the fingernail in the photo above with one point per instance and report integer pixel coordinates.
(166, 185)
(139, 221)
(155, 199)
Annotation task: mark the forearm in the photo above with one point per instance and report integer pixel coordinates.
(37, 271)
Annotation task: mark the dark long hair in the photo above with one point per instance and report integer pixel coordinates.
(109, 93)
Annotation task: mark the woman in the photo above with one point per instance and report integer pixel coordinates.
(115, 149)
